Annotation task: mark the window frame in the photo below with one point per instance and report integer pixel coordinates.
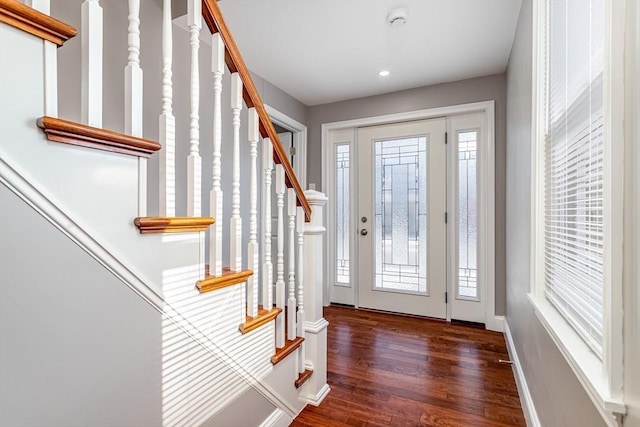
(601, 379)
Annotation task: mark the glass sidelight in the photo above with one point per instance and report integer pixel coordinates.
(342, 215)
(467, 283)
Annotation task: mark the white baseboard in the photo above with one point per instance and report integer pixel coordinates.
(529, 409)
(496, 324)
(278, 418)
(316, 399)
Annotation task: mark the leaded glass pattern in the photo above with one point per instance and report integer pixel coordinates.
(342, 214)
(401, 215)
(467, 214)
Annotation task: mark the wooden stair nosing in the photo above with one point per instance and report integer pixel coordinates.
(228, 278)
(73, 133)
(34, 22)
(289, 347)
(303, 377)
(263, 317)
(152, 224)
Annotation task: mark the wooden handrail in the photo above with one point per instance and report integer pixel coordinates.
(34, 22)
(213, 17)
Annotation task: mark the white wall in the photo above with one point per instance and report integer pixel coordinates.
(559, 398)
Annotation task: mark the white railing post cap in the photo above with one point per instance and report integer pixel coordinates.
(315, 197)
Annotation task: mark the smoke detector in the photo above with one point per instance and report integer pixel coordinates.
(397, 18)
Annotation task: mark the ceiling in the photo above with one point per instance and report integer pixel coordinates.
(322, 51)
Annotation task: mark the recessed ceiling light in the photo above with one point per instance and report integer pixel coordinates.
(384, 73)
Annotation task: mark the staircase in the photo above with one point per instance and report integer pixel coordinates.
(234, 332)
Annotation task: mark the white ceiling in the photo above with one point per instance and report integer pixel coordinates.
(321, 51)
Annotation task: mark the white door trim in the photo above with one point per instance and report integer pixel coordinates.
(299, 141)
(488, 108)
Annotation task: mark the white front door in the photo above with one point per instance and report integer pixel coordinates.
(402, 188)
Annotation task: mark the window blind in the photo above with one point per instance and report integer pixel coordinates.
(573, 205)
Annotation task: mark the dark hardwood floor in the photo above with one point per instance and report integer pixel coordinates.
(387, 370)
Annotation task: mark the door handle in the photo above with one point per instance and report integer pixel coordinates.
(364, 232)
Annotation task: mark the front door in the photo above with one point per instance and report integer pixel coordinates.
(401, 217)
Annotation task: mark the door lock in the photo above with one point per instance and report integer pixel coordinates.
(364, 232)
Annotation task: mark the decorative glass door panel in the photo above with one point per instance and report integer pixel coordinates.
(343, 235)
(401, 214)
(401, 217)
(467, 286)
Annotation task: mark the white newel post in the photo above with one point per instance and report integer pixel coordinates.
(291, 301)
(133, 84)
(215, 230)
(267, 267)
(253, 253)
(280, 291)
(91, 36)
(315, 326)
(300, 226)
(167, 131)
(194, 162)
(50, 64)
(235, 258)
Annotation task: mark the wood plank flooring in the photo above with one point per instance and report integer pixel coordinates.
(387, 370)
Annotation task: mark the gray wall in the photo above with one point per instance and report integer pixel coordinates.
(461, 92)
(559, 398)
(250, 409)
(631, 279)
(78, 348)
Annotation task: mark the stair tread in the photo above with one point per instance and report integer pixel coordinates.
(303, 377)
(73, 133)
(34, 22)
(156, 224)
(289, 347)
(263, 317)
(228, 278)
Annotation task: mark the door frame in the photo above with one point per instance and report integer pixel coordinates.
(299, 136)
(486, 210)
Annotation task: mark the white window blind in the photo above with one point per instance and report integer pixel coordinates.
(573, 202)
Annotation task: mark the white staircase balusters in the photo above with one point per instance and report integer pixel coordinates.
(235, 258)
(133, 74)
(291, 301)
(253, 248)
(91, 35)
(267, 267)
(50, 64)
(194, 162)
(280, 291)
(167, 120)
(133, 83)
(300, 275)
(216, 200)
